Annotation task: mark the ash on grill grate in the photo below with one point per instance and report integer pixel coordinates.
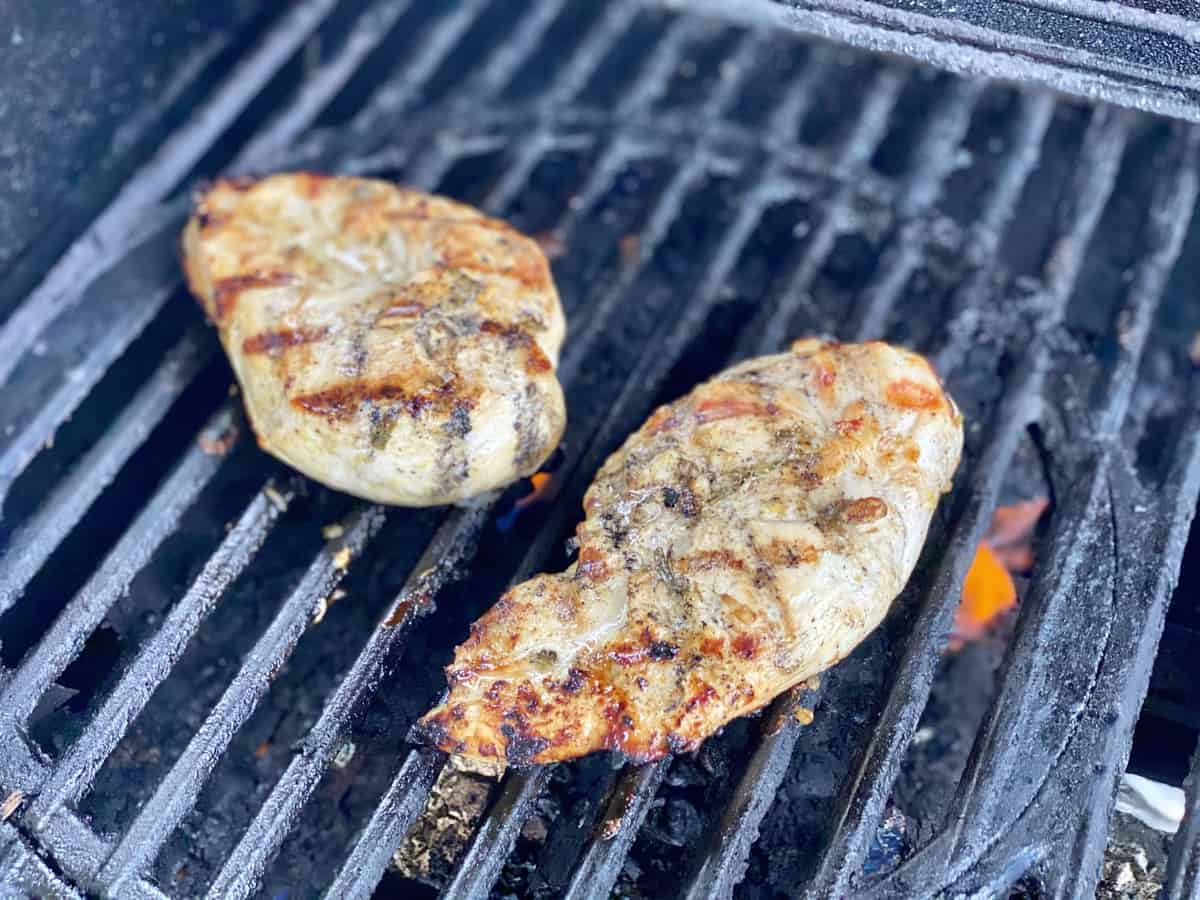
(714, 190)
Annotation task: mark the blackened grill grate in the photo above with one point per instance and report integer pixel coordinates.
(683, 131)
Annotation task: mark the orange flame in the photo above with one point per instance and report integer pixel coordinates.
(544, 489)
(989, 591)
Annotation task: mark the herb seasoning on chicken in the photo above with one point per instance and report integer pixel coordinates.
(747, 537)
(388, 343)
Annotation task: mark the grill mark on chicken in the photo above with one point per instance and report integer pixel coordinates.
(344, 400)
(711, 574)
(764, 578)
(733, 407)
(365, 365)
(864, 510)
(272, 342)
(786, 554)
(517, 338)
(528, 403)
(456, 467)
(226, 291)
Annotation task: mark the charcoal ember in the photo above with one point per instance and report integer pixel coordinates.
(676, 822)
(440, 837)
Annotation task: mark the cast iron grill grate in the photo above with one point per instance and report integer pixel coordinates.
(717, 195)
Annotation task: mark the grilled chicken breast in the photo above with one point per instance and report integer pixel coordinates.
(747, 537)
(388, 343)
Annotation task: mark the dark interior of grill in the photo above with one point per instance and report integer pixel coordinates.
(199, 697)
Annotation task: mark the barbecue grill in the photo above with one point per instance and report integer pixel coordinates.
(210, 666)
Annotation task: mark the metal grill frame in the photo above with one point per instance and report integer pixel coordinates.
(1116, 52)
(988, 845)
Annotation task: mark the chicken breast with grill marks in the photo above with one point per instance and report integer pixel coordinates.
(747, 537)
(389, 343)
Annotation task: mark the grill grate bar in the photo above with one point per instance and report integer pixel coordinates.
(667, 207)
(81, 850)
(1183, 870)
(847, 841)
(399, 91)
(154, 181)
(649, 84)
(647, 87)
(479, 869)
(974, 820)
(721, 866)
(262, 839)
(391, 821)
(1099, 158)
(28, 870)
(785, 120)
(657, 225)
(155, 661)
(868, 132)
(569, 80)
(321, 87)
(664, 213)
(984, 236)
(33, 543)
(507, 58)
(1171, 210)
(101, 348)
(131, 553)
(629, 802)
(1170, 214)
(937, 154)
(177, 792)
(861, 805)
(489, 81)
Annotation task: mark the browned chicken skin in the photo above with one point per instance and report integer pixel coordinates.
(388, 343)
(747, 537)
